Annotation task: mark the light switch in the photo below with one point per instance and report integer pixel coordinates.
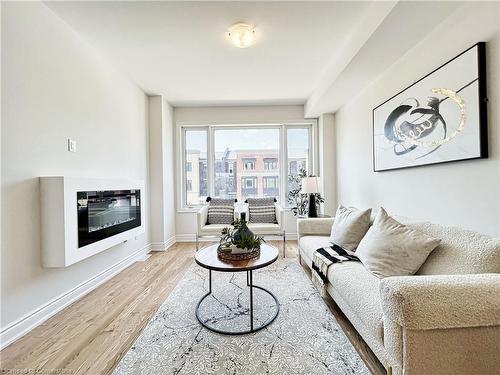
(71, 145)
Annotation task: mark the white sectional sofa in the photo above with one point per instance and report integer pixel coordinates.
(443, 320)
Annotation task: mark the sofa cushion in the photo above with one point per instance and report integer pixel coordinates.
(357, 286)
(349, 227)
(309, 244)
(390, 248)
(360, 290)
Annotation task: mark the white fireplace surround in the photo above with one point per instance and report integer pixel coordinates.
(59, 216)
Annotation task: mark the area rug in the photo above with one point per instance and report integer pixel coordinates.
(304, 339)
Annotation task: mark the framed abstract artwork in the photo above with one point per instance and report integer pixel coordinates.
(438, 119)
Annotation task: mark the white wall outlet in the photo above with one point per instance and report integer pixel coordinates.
(71, 145)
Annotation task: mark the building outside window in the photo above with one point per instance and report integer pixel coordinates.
(189, 166)
(189, 185)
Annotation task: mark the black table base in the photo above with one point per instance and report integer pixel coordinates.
(251, 323)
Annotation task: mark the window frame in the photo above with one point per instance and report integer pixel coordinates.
(252, 161)
(210, 128)
(266, 179)
(254, 180)
(273, 163)
(183, 168)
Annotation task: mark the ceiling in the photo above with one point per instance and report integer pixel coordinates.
(179, 49)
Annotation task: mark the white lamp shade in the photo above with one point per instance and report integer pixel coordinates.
(310, 185)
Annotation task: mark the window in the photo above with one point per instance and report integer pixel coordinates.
(298, 155)
(270, 164)
(249, 182)
(249, 164)
(195, 166)
(239, 155)
(242, 161)
(271, 182)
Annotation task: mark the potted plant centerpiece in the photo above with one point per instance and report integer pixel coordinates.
(239, 242)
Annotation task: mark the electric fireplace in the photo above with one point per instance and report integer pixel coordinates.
(102, 214)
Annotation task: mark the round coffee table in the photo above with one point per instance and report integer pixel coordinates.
(207, 258)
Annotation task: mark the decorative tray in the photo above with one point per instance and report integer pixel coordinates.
(227, 254)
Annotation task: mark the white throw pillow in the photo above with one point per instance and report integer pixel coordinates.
(390, 248)
(349, 227)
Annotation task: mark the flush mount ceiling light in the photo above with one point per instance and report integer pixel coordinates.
(241, 34)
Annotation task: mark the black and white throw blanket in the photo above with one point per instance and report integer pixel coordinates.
(323, 258)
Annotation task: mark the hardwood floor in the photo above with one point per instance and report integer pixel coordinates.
(92, 335)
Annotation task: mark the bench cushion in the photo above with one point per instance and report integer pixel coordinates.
(256, 228)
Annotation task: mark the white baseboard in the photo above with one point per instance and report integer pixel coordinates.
(191, 237)
(144, 257)
(163, 246)
(20, 327)
(23, 325)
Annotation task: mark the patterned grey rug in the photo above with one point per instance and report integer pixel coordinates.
(304, 339)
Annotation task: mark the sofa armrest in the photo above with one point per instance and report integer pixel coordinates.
(202, 217)
(442, 301)
(280, 216)
(318, 227)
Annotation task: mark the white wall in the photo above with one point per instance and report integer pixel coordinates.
(55, 86)
(465, 194)
(161, 175)
(186, 221)
(168, 134)
(327, 169)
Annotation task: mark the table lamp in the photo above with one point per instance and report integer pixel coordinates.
(310, 185)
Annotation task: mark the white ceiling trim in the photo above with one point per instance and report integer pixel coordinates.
(366, 26)
(403, 27)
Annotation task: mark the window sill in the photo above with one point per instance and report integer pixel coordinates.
(188, 210)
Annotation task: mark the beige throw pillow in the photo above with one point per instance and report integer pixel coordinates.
(349, 227)
(393, 249)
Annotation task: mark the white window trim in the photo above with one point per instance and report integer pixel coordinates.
(312, 125)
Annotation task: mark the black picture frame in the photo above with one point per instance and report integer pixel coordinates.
(482, 105)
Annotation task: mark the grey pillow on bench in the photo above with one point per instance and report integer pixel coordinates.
(220, 211)
(261, 210)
